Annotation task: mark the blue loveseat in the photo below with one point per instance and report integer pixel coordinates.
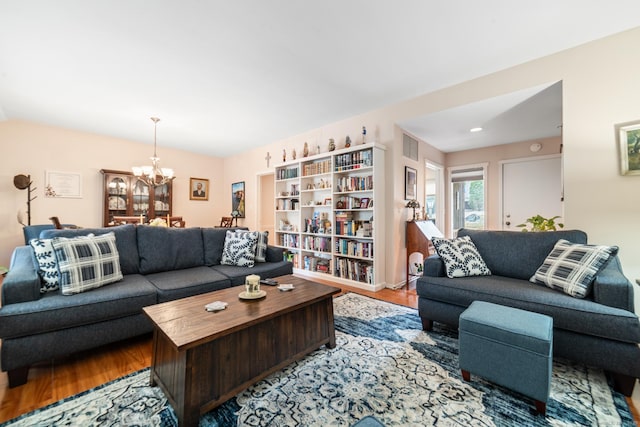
(158, 264)
(601, 330)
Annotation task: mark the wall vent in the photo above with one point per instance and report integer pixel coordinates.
(409, 147)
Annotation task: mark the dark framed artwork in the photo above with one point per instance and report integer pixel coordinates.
(628, 136)
(410, 183)
(237, 199)
(198, 189)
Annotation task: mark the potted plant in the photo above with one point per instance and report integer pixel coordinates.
(540, 223)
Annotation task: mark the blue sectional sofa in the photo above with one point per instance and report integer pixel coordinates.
(601, 330)
(158, 264)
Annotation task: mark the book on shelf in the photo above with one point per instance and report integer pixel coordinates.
(317, 168)
(313, 263)
(354, 160)
(355, 183)
(360, 271)
(287, 173)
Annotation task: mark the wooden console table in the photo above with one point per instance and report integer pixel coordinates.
(418, 239)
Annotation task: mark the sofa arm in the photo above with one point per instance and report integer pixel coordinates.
(274, 254)
(434, 266)
(612, 288)
(22, 282)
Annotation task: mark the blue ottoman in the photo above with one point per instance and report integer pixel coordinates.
(508, 346)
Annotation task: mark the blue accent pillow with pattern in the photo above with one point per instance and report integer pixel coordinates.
(47, 264)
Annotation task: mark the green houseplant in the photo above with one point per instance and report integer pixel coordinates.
(540, 223)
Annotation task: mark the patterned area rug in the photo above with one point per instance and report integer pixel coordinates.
(384, 365)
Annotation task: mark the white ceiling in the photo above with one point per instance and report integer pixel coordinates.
(524, 115)
(226, 76)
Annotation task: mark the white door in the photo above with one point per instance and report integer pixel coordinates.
(531, 187)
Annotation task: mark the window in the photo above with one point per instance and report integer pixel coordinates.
(468, 197)
(434, 194)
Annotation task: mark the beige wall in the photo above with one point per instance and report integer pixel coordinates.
(600, 89)
(31, 149)
(492, 156)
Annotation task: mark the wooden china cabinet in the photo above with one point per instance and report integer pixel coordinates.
(126, 195)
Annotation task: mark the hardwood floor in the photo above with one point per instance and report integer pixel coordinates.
(50, 382)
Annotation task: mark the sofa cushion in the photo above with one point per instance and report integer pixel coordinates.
(47, 264)
(213, 241)
(582, 316)
(263, 269)
(517, 254)
(240, 248)
(461, 257)
(54, 311)
(86, 262)
(176, 284)
(126, 242)
(571, 268)
(165, 249)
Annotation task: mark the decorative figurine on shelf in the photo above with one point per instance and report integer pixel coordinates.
(284, 155)
(305, 150)
(317, 148)
(332, 144)
(364, 135)
(347, 142)
(293, 154)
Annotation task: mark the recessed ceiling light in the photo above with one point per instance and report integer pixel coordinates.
(475, 129)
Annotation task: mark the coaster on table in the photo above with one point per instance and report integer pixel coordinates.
(285, 287)
(216, 306)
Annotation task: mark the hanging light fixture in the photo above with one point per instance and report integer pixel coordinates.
(154, 175)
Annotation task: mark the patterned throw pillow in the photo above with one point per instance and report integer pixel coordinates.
(261, 246)
(47, 265)
(461, 257)
(240, 248)
(87, 262)
(572, 267)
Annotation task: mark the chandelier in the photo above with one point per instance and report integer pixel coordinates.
(154, 175)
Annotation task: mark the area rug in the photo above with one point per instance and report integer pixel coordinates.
(383, 365)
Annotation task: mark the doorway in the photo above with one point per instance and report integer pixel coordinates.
(531, 186)
(434, 194)
(266, 204)
(468, 196)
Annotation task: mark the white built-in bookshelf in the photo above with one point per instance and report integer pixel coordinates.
(327, 218)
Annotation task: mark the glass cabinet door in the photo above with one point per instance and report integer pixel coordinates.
(141, 199)
(117, 196)
(162, 200)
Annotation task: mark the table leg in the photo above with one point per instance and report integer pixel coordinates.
(330, 324)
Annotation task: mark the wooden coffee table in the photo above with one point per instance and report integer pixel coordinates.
(201, 359)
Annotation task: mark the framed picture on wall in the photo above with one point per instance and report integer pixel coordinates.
(410, 183)
(628, 135)
(199, 189)
(237, 199)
